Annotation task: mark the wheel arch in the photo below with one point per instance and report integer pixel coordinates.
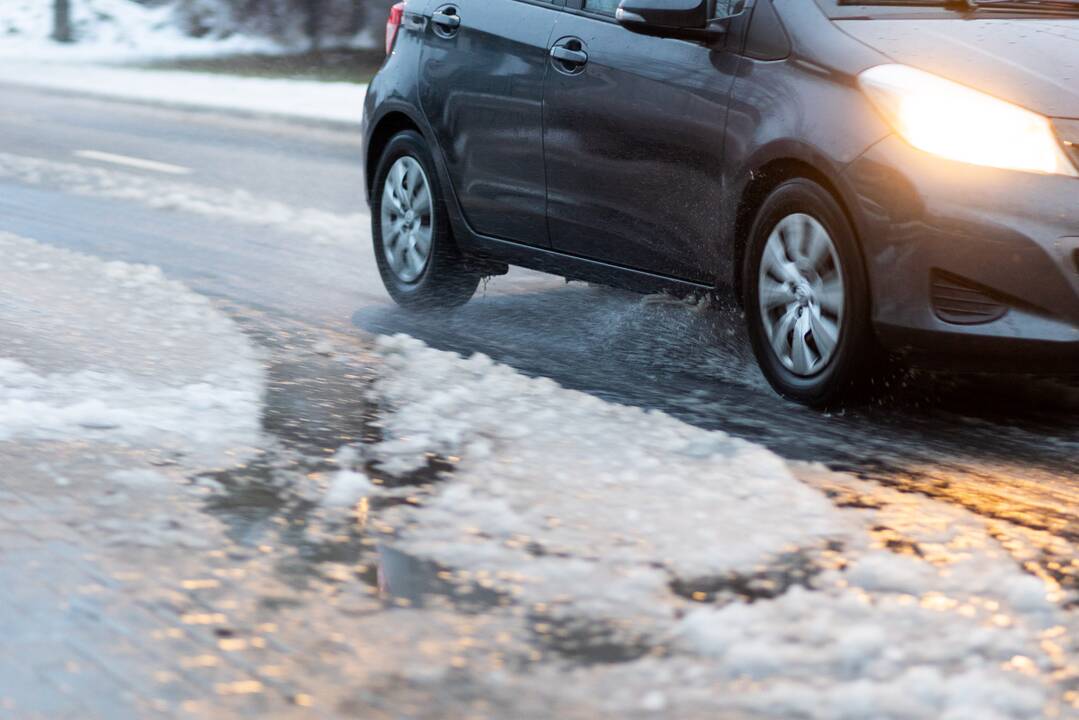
(388, 125)
(761, 182)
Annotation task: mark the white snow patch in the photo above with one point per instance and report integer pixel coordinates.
(347, 488)
(842, 653)
(109, 30)
(335, 102)
(586, 474)
(115, 353)
(585, 511)
(229, 204)
(139, 478)
(117, 31)
(63, 406)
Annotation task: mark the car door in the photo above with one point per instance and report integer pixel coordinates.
(633, 140)
(482, 74)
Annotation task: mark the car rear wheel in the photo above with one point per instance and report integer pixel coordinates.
(806, 296)
(417, 257)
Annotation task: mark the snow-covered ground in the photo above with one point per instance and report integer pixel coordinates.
(229, 204)
(757, 593)
(116, 354)
(339, 103)
(113, 32)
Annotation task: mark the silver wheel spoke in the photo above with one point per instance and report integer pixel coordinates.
(774, 294)
(825, 333)
(776, 263)
(399, 253)
(793, 234)
(781, 332)
(396, 203)
(422, 204)
(414, 184)
(830, 296)
(397, 177)
(800, 294)
(416, 260)
(817, 246)
(800, 355)
(407, 219)
(423, 243)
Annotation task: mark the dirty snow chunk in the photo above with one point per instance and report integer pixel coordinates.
(323, 347)
(590, 509)
(886, 657)
(347, 489)
(347, 456)
(139, 478)
(586, 475)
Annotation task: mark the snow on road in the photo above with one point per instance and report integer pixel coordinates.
(115, 353)
(755, 591)
(230, 204)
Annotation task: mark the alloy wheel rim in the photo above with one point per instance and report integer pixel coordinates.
(407, 219)
(801, 294)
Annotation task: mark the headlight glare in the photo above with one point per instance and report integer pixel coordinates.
(959, 123)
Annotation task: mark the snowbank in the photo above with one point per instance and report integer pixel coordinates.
(118, 31)
(118, 354)
(107, 30)
(745, 589)
(337, 103)
(587, 474)
(230, 204)
(129, 30)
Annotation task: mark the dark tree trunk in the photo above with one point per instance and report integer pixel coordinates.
(61, 25)
(313, 24)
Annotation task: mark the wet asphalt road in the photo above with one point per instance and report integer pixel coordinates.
(1004, 447)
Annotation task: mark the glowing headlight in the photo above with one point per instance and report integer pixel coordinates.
(958, 123)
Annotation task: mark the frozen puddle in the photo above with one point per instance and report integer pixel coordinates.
(739, 577)
(115, 353)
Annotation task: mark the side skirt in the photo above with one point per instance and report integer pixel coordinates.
(572, 267)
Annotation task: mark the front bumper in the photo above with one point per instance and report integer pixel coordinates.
(971, 263)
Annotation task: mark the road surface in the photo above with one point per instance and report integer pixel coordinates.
(269, 220)
(1003, 446)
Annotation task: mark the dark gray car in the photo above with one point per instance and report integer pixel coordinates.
(869, 180)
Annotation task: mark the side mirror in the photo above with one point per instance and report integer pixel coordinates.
(684, 19)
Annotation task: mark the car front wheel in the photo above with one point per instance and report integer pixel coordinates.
(806, 296)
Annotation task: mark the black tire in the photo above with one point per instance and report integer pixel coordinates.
(856, 356)
(446, 281)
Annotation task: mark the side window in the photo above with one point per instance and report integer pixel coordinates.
(606, 7)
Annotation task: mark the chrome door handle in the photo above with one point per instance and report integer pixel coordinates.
(570, 57)
(447, 19)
